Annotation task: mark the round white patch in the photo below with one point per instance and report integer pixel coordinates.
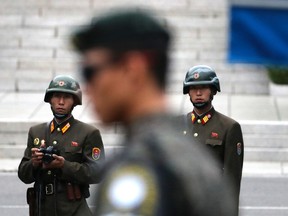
(127, 191)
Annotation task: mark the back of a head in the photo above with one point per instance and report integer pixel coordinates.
(126, 30)
(123, 30)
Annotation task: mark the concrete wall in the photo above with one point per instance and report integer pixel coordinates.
(34, 36)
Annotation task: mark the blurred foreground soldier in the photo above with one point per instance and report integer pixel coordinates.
(62, 157)
(159, 172)
(221, 134)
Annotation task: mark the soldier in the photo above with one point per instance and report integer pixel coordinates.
(159, 172)
(63, 156)
(221, 134)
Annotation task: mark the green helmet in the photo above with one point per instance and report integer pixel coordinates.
(200, 75)
(67, 84)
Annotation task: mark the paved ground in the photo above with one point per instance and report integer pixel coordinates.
(260, 195)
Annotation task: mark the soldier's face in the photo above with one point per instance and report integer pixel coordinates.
(62, 103)
(200, 93)
(107, 87)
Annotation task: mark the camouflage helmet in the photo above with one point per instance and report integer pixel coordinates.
(66, 84)
(200, 75)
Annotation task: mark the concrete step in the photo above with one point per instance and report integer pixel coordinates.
(266, 154)
(264, 140)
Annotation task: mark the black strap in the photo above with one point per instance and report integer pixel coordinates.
(55, 194)
(47, 137)
(39, 183)
(47, 134)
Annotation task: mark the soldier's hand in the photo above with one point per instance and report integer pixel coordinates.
(58, 162)
(36, 157)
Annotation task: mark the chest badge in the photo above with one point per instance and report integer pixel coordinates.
(214, 135)
(96, 153)
(36, 141)
(43, 142)
(74, 144)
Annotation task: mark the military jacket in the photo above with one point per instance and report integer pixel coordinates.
(160, 173)
(81, 146)
(223, 137)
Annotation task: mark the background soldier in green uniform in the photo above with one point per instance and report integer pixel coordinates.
(62, 178)
(159, 172)
(221, 134)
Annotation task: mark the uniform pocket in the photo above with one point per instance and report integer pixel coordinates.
(214, 142)
(73, 149)
(73, 153)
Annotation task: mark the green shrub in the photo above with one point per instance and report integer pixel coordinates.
(278, 75)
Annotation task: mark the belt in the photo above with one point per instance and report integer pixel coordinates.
(49, 189)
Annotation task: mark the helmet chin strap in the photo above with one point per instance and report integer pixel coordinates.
(60, 116)
(201, 105)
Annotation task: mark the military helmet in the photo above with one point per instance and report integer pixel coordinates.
(200, 75)
(66, 84)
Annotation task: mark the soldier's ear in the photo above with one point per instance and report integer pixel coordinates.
(213, 91)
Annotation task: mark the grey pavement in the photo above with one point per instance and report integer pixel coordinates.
(264, 121)
(260, 195)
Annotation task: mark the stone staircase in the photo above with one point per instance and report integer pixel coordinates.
(34, 47)
(264, 141)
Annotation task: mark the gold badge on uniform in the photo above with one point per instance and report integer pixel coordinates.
(36, 141)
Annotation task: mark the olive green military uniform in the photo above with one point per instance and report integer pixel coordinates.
(81, 146)
(161, 173)
(223, 136)
(219, 133)
(62, 192)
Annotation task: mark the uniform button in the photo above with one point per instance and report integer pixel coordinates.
(195, 134)
(49, 172)
(199, 121)
(184, 132)
(58, 129)
(54, 142)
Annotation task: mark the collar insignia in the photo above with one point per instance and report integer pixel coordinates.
(66, 127)
(52, 127)
(203, 120)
